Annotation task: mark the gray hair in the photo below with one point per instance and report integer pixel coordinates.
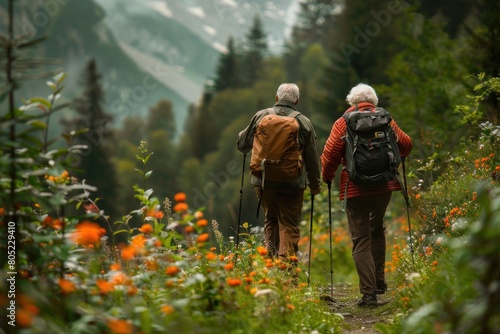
(362, 93)
(288, 92)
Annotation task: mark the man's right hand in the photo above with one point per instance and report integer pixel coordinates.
(315, 191)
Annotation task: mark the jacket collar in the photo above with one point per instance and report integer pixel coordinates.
(283, 103)
(362, 106)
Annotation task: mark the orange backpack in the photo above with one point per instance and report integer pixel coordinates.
(276, 152)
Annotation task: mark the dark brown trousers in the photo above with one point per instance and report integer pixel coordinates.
(282, 209)
(365, 216)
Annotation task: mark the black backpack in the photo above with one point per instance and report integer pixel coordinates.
(372, 153)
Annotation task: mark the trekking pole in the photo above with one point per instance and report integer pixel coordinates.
(241, 201)
(310, 241)
(329, 183)
(408, 206)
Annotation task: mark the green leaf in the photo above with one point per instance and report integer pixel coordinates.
(148, 174)
(44, 102)
(52, 85)
(119, 231)
(37, 124)
(59, 78)
(148, 193)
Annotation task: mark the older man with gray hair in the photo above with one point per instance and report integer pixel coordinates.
(282, 201)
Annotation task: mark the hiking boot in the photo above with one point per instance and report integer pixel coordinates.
(381, 287)
(368, 300)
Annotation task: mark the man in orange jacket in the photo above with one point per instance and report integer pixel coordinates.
(365, 206)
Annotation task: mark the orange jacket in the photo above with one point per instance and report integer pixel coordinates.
(334, 155)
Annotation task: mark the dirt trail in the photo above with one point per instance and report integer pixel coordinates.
(357, 320)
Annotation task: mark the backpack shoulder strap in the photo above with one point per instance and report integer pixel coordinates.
(294, 114)
(271, 111)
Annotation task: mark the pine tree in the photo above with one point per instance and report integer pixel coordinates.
(227, 70)
(160, 134)
(484, 38)
(95, 165)
(161, 117)
(315, 23)
(255, 51)
(360, 51)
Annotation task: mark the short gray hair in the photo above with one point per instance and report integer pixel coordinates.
(362, 93)
(288, 92)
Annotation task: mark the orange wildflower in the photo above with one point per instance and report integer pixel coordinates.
(128, 252)
(202, 238)
(115, 266)
(132, 290)
(172, 270)
(233, 281)
(90, 207)
(24, 318)
(119, 326)
(290, 307)
(189, 229)
(180, 197)
(120, 279)
(53, 223)
(146, 229)
(417, 196)
(248, 280)
(151, 265)
(139, 241)
(155, 213)
(104, 286)
(2, 211)
(87, 233)
(294, 258)
(66, 286)
(181, 207)
(198, 215)
(58, 224)
(167, 309)
(262, 250)
(229, 266)
(202, 223)
(211, 256)
(446, 221)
